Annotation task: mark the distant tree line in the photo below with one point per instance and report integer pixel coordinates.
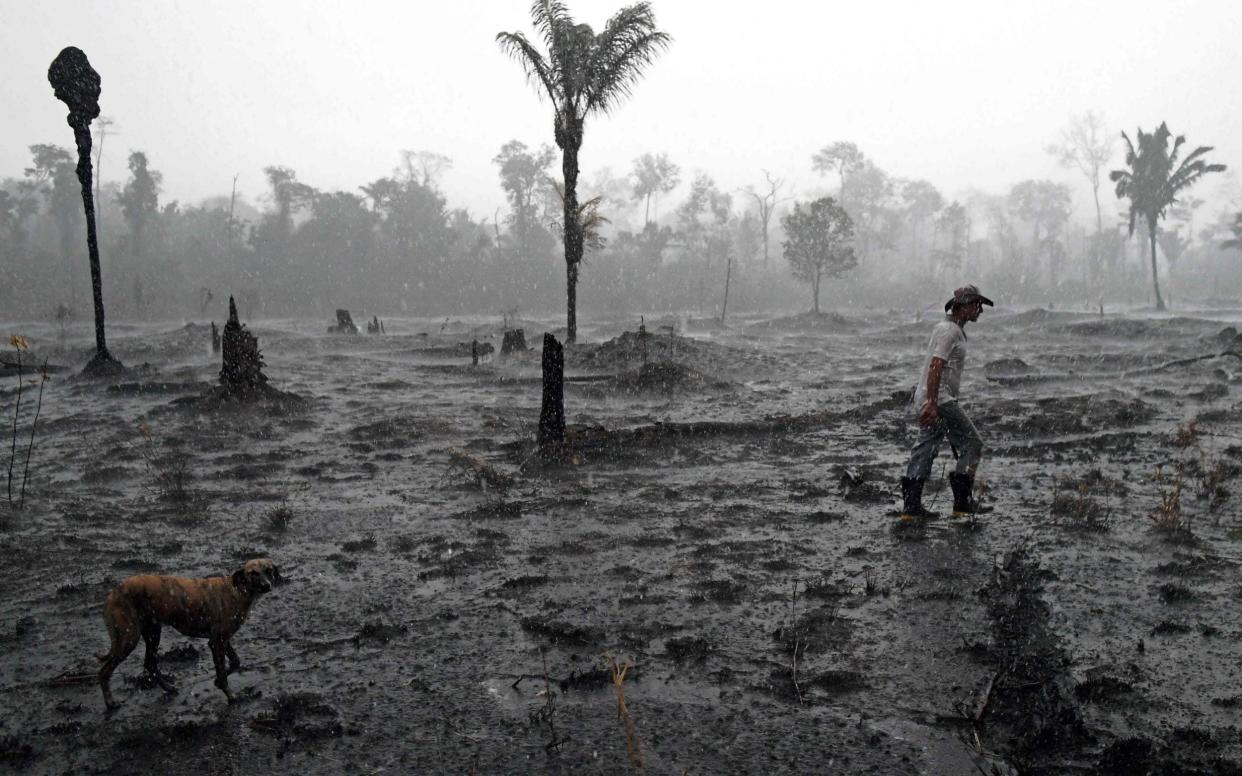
(1025, 241)
(396, 246)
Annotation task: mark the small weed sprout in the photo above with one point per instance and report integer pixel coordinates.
(1211, 477)
(279, 517)
(1076, 510)
(1167, 516)
(171, 477)
(822, 587)
(1187, 434)
(871, 584)
(22, 345)
(545, 714)
(19, 344)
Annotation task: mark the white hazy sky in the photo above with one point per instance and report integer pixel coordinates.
(964, 94)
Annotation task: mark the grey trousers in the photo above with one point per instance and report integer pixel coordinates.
(963, 437)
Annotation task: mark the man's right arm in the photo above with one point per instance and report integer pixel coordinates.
(930, 409)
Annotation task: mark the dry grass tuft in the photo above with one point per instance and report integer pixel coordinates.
(1077, 510)
(484, 474)
(1167, 517)
(1211, 476)
(172, 479)
(279, 517)
(1187, 434)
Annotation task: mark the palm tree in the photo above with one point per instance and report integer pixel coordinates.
(582, 74)
(1154, 180)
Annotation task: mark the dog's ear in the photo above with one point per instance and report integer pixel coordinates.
(239, 578)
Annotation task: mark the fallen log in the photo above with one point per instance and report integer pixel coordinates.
(1181, 362)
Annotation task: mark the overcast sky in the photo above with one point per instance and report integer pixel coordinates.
(959, 93)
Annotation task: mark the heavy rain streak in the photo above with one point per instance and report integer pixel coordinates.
(574, 387)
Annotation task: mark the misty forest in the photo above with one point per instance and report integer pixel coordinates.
(614, 479)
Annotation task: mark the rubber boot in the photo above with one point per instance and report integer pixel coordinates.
(912, 500)
(964, 503)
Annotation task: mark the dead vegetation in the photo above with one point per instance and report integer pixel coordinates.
(1167, 517)
(1186, 434)
(1076, 509)
(1211, 477)
(20, 346)
(278, 518)
(473, 467)
(1193, 470)
(170, 475)
(545, 714)
(632, 747)
(1030, 708)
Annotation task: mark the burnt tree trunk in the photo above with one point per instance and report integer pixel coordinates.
(552, 413)
(514, 341)
(76, 84)
(642, 338)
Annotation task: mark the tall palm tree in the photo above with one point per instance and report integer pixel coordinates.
(1154, 180)
(582, 74)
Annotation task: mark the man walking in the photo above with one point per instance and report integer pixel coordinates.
(939, 413)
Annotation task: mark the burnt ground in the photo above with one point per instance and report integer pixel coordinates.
(774, 619)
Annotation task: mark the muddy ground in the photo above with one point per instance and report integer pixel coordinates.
(751, 575)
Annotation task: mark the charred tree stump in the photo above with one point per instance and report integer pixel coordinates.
(75, 83)
(344, 324)
(242, 372)
(215, 338)
(642, 337)
(514, 340)
(552, 413)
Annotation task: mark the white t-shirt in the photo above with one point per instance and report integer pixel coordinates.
(948, 341)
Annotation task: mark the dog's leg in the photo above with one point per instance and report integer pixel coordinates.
(218, 648)
(234, 661)
(151, 635)
(122, 622)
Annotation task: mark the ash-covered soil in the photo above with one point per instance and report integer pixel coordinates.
(439, 621)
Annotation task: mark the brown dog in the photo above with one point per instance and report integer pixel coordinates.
(212, 608)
